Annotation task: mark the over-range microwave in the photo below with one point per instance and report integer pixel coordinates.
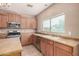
(13, 25)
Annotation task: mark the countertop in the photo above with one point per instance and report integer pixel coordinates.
(9, 45)
(69, 42)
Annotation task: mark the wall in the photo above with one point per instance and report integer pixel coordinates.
(71, 12)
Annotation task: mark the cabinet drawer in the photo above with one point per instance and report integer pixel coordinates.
(64, 47)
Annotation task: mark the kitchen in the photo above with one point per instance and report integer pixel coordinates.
(39, 29)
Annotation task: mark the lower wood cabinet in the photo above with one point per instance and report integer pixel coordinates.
(51, 48)
(26, 38)
(43, 46)
(33, 39)
(47, 47)
(62, 50)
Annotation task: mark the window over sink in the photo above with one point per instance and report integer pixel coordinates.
(54, 24)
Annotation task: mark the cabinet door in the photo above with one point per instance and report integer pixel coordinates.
(11, 17)
(28, 23)
(24, 22)
(33, 23)
(50, 48)
(43, 46)
(0, 22)
(4, 20)
(33, 39)
(62, 50)
(18, 18)
(25, 38)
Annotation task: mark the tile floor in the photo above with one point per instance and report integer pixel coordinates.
(30, 50)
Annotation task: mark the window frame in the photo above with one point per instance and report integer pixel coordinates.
(49, 26)
(50, 23)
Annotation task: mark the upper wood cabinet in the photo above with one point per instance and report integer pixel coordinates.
(14, 18)
(17, 18)
(0, 21)
(33, 23)
(11, 17)
(29, 23)
(3, 20)
(24, 22)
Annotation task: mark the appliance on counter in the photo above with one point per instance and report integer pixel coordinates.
(13, 25)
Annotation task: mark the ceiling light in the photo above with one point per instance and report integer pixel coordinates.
(29, 5)
(5, 4)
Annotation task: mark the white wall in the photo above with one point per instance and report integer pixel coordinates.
(71, 12)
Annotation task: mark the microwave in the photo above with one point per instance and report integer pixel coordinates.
(13, 25)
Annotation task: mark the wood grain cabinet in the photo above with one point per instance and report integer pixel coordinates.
(50, 48)
(33, 39)
(17, 18)
(14, 18)
(47, 47)
(43, 46)
(33, 23)
(11, 17)
(23, 22)
(62, 50)
(29, 23)
(26, 39)
(3, 20)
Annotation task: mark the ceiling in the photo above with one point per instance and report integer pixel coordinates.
(27, 8)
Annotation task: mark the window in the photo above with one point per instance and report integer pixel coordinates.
(46, 25)
(55, 24)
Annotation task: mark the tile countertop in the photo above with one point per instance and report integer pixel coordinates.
(68, 42)
(10, 45)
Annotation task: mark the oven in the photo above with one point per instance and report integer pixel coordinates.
(13, 33)
(13, 29)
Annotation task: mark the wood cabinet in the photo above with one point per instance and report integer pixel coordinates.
(62, 50)
(14, 18)
(26, 38)
(29, 23)
(52, 48)
(24, 22)
(47, 47)
(0, 22)
(43, 46)
(3, 20)
(17, 18)
(33, 39)
(11, 17)
(32, 23)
